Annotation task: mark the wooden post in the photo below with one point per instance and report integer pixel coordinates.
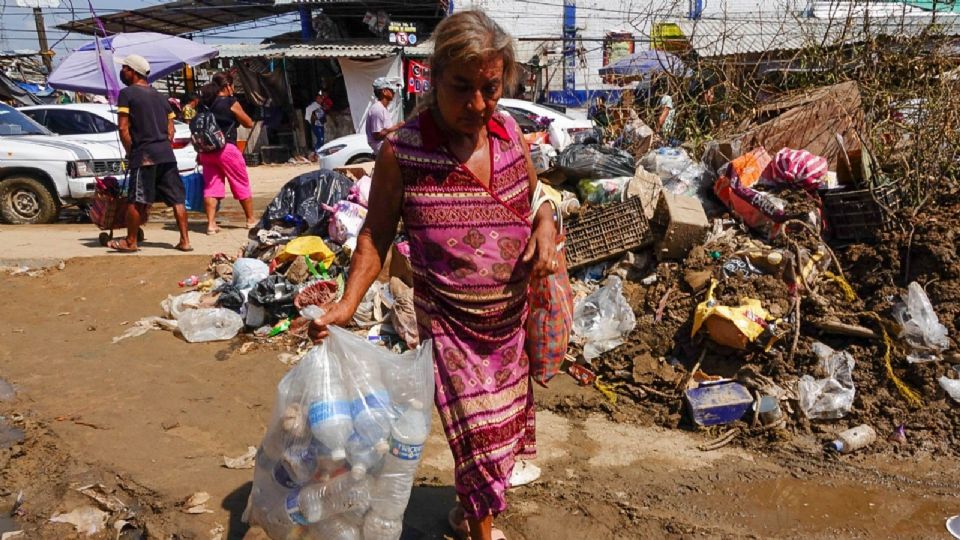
(45, 51)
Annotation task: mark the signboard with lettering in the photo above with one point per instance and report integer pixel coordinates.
(402, 34)
(418, 77)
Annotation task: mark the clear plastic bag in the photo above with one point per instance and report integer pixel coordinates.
(341, 452)
(921, 326)
(209, 324)
(666, 162)
(249, 272)
(174, 306)
(603, 319)
(832, 397)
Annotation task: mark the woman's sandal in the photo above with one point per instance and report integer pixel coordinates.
(122, 246)
(461, 528)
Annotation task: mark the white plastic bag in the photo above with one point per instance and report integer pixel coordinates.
(831, 397)
(346, 220)
(249, 272)
(603, 319)
(666, 162)
(209, 324)
(174, 306)
(921, 326)
(340, 455)
(951, 387)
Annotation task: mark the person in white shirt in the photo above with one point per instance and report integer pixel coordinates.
(316, 117)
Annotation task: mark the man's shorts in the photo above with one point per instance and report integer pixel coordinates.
(152, 183)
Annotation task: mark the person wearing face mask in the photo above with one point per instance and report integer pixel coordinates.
(145, 122)
(459, 174)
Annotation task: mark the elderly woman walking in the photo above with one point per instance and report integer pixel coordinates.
(461, 178)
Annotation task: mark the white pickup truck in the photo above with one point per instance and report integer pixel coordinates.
(41, 172)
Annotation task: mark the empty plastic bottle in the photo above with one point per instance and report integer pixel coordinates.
(317, 502)
(298, 466)
(854, 439)
(189, 281)
(392, 489)
(329, 412)
(372, 417)
(402, 384)
(362, 457)
(333, 529)
(377, 527)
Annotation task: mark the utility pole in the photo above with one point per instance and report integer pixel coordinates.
(45, 52)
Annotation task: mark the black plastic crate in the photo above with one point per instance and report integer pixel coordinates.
(859, 215)
(604, 232)
(274, 154)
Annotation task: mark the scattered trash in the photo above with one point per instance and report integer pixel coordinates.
(197, 503)
(831, 397)
(245, 461)
(147, 324)
(768, 410)
(579, 161)
(209, 324)
(713, 404)
(603, 319)
(174, 306)
(100, 494)
(248, 272)
(921, 326)
(189, 281)
(853, 439)
(86, 519)
(953, 526)
(737, 326)
(582, 374)
(898, 436)
(951, 387)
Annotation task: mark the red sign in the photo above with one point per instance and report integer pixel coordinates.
(418, 77)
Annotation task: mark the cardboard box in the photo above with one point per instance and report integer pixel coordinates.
(357, 170)
(680, 223)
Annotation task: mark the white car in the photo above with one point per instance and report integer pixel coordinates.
(41, 171)
(98, 122)
(346, 150)
(563, 121)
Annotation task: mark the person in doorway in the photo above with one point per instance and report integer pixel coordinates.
(665, 115)
(190, 103)
(316, 117)
(459, 175)
(379, 120)
(145, 122)
(227, 164)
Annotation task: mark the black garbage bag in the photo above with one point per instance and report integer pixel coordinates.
(594, 161)
(590, 136)
(300, 201)
(275, 295)
(230, 297)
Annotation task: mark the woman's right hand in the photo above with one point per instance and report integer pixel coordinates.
(334, 313)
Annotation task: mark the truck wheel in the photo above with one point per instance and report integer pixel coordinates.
(25, 200)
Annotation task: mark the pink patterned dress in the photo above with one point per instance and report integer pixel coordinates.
(470, 288)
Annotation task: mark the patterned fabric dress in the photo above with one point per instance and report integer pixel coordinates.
(470, 288)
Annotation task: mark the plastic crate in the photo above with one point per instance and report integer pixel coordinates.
(606, 231)
(274, 154)
(859, 215)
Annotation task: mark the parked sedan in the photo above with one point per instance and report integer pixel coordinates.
(98, 122)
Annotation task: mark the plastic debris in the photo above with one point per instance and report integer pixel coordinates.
(145, 325)
(249, 272)
(86, 519)
(7, 391)
(100, 494)
(853, 439)
(736, 326)
(713, 404)
(921, 326)
(197, 503)
(951, 387)
(603, 319)
(831, 397)
(209, 324)
(245, 461)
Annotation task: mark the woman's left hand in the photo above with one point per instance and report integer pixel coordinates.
(542, 249)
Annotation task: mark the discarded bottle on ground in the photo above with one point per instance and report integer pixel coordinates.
(853, 439)
(189, 281)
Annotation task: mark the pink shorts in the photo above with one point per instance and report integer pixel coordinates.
(227, 165)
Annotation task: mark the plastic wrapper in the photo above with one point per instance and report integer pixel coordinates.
(667, 162)
(951, 387)
(301, 200)
(579, 161)
(275, 295)
(734, 326)
(341, 452)
(345, 223)
(209, 324)
(249, 272)
(174, 306)
(922, 329)
(830, 397)
(604, 191)
(603, 319)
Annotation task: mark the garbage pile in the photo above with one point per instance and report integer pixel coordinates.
(751, 309)
(296, 257)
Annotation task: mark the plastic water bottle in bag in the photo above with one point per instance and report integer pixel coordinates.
(334, 529)
(317, 502)
(376, 527)
(362, 456)
(329, 412)
(392, 489)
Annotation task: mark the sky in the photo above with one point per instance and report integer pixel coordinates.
(18, 29)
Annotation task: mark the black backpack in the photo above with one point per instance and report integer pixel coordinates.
(205, 134)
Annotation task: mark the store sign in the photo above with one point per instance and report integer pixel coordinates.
(402, 34)
(418, 77)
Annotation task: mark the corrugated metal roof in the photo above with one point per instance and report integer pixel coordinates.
(319, 50)
(722, 37)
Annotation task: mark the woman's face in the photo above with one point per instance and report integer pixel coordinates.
(467, 94)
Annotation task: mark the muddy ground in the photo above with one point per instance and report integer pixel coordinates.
(151, 418)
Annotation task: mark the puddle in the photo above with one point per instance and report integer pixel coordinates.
(9, 435)
(811, 507)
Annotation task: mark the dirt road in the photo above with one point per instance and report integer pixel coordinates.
(152, 417)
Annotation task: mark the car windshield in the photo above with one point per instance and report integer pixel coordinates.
(538, 109)
(14, 122)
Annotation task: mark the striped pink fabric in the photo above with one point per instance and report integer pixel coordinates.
(799, 168)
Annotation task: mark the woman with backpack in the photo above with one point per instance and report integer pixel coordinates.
(222, 161)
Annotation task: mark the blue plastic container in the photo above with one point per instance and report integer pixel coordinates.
(713, 404)
(193, 185)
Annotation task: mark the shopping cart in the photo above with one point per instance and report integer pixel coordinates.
(109, 208)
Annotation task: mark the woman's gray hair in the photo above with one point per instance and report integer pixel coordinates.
(469, 36)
